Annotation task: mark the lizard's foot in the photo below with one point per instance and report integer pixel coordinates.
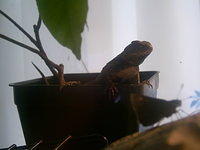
(72, 83)
(112, 92)
(147, 83)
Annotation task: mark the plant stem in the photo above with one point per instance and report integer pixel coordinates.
(37, 36)
(84, 66)
(19, 44)
(57, 70)
(43, 76)
(19, 27)
(49, 63)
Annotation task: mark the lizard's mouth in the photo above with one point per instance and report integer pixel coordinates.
(145, 43)
(148, 44)
(146, 53)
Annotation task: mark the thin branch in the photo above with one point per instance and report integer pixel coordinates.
(84, 66)
(39, 22)
(63, 142)
(48, 62)
(37, 36)
(57, 70)
(19, 27)
(51, 65)
(42, 74)
(20, 44)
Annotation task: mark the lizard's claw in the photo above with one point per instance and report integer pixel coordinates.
(147, 83)
(72, 83)
(112, 92)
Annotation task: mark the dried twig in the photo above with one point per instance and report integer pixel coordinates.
(37, 36)
(19, 27)
(49, 63)
(43, 76)
(57, 70)
(19, 44)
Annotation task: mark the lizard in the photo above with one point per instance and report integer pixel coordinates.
(124, 68)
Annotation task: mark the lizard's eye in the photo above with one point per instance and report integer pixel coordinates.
(141, 47)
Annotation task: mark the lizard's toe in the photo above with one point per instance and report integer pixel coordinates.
(147, 83)
(112, 92)
(72, 83)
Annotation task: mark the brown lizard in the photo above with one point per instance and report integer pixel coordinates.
(124, 68)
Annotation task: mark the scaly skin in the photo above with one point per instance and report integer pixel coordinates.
(125, 67)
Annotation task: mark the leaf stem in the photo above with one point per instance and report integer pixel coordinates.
(85, 67)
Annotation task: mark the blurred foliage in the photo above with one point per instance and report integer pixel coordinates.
(195, 100)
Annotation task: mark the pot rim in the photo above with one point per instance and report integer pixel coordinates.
(33, 82)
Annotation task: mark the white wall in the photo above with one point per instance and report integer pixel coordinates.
(111, 29)
(97, 42)
(12, 70)
(172, 27)
(124, 24)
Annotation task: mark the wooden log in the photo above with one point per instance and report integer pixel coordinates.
(183, 134)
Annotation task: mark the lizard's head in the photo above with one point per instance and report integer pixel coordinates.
(137, 51)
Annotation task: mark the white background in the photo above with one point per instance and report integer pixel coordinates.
(172, 26)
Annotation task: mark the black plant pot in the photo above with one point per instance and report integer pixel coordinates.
(50, 115)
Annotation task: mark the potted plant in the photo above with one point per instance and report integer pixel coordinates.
(53, 108)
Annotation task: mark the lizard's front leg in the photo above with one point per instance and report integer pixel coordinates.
(111, 88)
(147, 83)
(144, 82)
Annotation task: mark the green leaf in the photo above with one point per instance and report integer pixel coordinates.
(65, 19)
